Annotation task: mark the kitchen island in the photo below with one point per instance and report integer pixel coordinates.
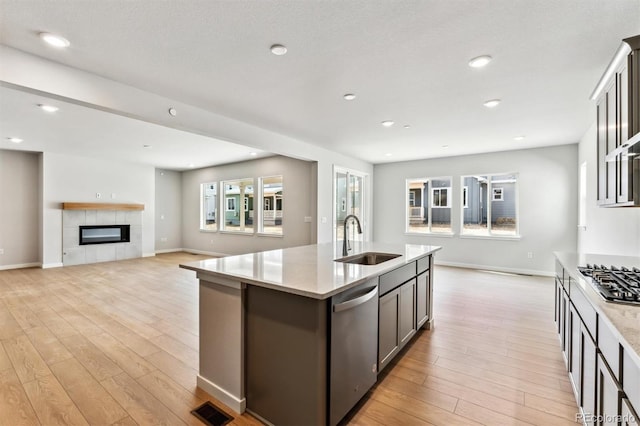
(268, 325)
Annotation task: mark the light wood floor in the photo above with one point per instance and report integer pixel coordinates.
(117, 343)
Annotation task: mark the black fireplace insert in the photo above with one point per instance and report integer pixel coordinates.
(103, 234)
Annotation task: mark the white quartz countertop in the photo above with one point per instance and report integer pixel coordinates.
(623, 319)
(308, 270)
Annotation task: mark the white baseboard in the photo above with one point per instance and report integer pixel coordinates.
(52, 265)
(496, 268)
(173, 250)
(148, 254)
(20, 266)
(236, 404)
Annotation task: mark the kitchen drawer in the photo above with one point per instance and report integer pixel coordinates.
(631, 380)
(395, 278)
(583, 307)
(423, 264)
(610, 347)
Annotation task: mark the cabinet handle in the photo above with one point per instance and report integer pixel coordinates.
(355, 302)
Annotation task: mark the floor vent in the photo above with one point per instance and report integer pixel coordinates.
(211, 415)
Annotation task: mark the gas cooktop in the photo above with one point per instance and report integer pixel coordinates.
(615, 284)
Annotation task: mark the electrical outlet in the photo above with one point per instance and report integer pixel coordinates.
(163, 239)
(113, 195)
(1, 251)
(529, 255)
(98, 195)
(307, 219)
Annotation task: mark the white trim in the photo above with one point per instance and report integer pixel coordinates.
(23, 265)
(206, 253)
(236, 404)
(226, 202)
(431, 234)
(495, 268)
(52, 265)
(144, 255)
(493, 194)
(173, 250)
(491, 237)
(439, 189)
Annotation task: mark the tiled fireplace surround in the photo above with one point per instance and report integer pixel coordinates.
(75, 254)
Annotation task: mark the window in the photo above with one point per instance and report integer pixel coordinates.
(440, 198)
(209, 206)
(349, 192)
(497, 216)
(497, 194)
(239, 216)
(272, 193)
(428, 216)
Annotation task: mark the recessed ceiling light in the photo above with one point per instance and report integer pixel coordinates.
(147, 146)
(253, 154)
(445, 146)
(480, 61)
(173, 112)
(388, 154)
(407, 126)
(191, 166)
(518, 138)
(388, 123)
(15, 140)
(55, 40)
(492, 103)
(278, 49)
(48, 108)
(349, 97)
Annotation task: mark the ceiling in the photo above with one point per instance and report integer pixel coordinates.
(405, 61)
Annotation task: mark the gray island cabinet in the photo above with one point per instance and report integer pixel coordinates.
(296, 338)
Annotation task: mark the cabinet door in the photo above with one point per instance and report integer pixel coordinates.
(588, 369)
(628, 417)
(612, 143)
(388, 327)
(601, 126)
(407, 311)
(422, 299)
(608, 395)
(625, 172)
(565, 331)
(574, 354)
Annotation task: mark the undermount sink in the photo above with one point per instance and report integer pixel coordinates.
(368, 258)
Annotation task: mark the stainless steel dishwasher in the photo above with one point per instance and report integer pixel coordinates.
(354, 347)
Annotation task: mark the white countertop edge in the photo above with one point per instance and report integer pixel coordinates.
(368, 272)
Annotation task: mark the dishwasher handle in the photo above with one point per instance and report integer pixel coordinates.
(355, 302)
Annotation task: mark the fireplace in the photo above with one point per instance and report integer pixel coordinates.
(103, 234)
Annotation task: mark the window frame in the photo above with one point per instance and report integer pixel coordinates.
(273, 206)
(447, 190)
(495, 192)
(204, 227)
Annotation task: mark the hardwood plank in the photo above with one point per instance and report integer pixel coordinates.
(50, 348)
(5, 362)
(25, 359)
(9, 327)
(177, 349)
(14, 405)
(551, 406)
(143, 407)
(485, 415)
(130, 362)
(93, 401)
(52, 404)
(388, 415)
(426, 394)
(172, 395)
(96, 362)
(422, 410)
(176, 369)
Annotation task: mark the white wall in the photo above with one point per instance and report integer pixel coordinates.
(548, 182)
(298, 201)
(19, 213)
(78, 179)
(168, 202)
(608, 230)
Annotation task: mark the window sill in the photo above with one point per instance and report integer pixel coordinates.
(249, 234)
(262, 234)
(430, 234)
(492, 237)
(209, 231)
